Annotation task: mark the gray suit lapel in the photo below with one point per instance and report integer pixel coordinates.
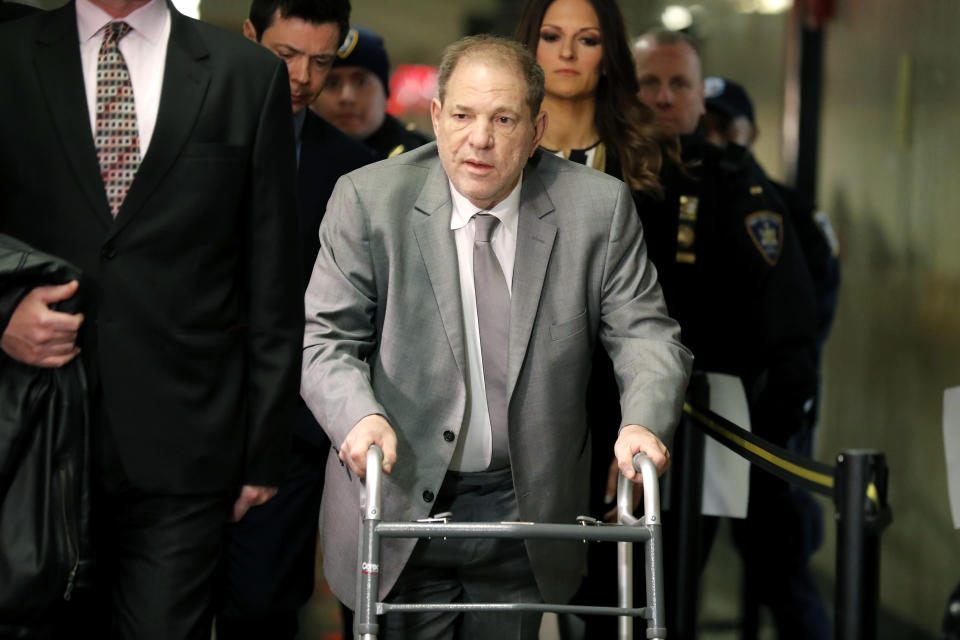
(535, 237)
(439, 253)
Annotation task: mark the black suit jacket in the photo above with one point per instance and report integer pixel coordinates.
(193, 311)
(326, 153)
(14, 10)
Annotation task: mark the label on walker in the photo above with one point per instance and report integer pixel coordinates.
(369, 568)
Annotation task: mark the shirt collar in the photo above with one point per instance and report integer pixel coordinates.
(148, 20)
(507, 210)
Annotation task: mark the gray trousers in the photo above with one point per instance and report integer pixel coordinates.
(467, 569)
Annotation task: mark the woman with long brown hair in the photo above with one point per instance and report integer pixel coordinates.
(595, 118)
(591, 91)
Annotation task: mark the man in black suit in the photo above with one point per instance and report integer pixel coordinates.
(354, 97)
(270, 554)
(173, 192)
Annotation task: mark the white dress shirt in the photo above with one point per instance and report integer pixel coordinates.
(474, 446)
(145, 51)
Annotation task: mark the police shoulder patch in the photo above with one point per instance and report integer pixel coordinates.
(766, 230)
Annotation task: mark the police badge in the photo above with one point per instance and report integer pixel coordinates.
(766, 231)
(686, 234)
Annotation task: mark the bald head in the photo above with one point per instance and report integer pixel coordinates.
(670, 79)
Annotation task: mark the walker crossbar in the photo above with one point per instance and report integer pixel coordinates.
(526, 530)
(387, 607)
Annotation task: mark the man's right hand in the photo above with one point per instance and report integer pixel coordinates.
(373, 429)
(39, 336)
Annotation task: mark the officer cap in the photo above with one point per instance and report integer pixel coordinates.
(364, 48)
(728, 97)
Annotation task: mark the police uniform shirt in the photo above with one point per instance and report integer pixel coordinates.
(394, 138)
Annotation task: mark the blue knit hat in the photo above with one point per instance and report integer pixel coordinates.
(364, 48)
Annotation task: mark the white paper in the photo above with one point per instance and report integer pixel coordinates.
(726, 475)
(951, 447)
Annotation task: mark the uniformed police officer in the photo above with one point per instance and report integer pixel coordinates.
(733, 275)
(354, 97)
(730, 118)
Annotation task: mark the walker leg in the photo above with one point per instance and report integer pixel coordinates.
(625, 588)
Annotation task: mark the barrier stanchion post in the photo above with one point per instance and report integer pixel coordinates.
(862, 513)
(686, 497)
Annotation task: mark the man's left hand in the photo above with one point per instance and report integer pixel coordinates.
(634, 439)
(250, 496)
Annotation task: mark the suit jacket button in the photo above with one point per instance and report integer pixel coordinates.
(449, 435)
(428, 496)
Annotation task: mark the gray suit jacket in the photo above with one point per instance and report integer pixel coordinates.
(385, 335)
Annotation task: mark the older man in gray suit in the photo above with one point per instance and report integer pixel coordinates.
(451, 318)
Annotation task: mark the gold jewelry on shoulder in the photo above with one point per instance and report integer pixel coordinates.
(600, 158)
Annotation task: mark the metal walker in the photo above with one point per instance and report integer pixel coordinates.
(628, 530)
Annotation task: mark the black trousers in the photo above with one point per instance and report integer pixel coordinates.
(269, 559)
(156, 556)
(159, 562)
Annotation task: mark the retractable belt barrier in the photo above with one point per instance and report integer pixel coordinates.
(857, 484)
(790, 466)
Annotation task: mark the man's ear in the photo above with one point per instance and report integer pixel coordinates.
(539, 129)
(249, 31)
(435, 108)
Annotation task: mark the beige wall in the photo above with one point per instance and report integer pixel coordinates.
(896, 344)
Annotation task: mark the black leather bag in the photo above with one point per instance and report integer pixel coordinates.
(44, 462)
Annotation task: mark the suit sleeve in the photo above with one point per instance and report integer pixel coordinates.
(651, 365)
(341, 306)
(275, 313)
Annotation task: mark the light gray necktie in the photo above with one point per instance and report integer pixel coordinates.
(493, 317)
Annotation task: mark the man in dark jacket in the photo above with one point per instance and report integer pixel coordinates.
(354, 97)
(729, 118)
(270, 555)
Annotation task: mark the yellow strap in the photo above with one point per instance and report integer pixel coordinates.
(797, 470)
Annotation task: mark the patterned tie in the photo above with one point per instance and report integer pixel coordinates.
(117, 137)
(493, 317)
